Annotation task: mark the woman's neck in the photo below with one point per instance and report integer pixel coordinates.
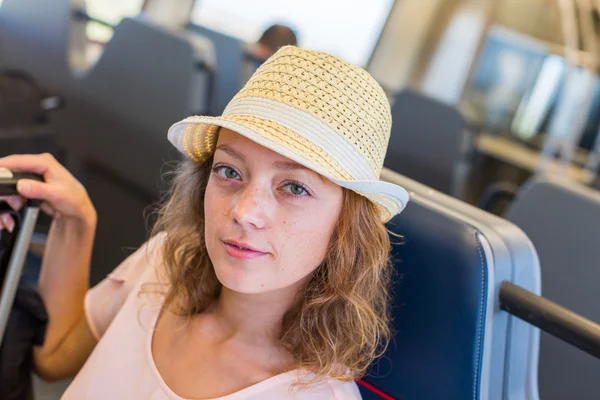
(254, 319)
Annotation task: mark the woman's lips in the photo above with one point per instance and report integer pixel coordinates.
(240, 250)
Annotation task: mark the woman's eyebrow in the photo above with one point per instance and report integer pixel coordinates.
(233, 153)
(294, 166)
(288, 165)
(282, 165)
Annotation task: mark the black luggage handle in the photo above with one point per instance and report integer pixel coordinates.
(24, 231)
(9, 179)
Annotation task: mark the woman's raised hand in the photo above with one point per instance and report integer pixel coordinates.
(61, 194)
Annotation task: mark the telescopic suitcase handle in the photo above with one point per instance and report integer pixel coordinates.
(24, 232)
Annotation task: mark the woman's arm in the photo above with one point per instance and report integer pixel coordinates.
(63, 283)
(65, 268)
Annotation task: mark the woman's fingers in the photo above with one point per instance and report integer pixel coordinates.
(38, 190)
(64, 195)
(7, 222)
(15, 202)
(36, 163)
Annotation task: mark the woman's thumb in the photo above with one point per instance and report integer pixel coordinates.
(32, 189)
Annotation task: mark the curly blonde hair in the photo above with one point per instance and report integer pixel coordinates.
(338, 326)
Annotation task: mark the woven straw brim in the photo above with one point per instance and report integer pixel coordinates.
(197, 140)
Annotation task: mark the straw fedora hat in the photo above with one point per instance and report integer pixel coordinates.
(315, 109)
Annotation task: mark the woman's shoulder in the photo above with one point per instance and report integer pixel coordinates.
(146, 257)
(321, 389)
(344, 390)
(330, 389)
(104, 301)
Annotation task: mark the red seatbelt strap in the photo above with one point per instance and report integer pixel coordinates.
(373, 389)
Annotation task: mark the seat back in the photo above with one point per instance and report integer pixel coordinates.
(512, 250)
(35, 37)
(230, 66)
(443, 312)
(451, 340)
(427, 142)
(563, 221)
(144, 76)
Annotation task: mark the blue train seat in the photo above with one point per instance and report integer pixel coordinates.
(451, 339)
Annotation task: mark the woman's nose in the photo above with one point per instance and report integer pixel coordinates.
(253, 207)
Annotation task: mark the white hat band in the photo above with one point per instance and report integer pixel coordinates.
(311, 128)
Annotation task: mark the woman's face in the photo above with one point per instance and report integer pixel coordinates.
(268, 219)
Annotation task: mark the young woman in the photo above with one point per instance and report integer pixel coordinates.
(266, 276)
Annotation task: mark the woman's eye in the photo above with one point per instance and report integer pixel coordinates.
(296, 190)
(227, 172)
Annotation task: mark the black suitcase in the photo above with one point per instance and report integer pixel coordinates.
(23, 317)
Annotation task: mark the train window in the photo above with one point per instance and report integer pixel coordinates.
(517, 88)
(92, 28)
(333, 26)
(108, 12)
(504, 75)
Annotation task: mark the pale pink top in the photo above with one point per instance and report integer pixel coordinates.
(122, 367)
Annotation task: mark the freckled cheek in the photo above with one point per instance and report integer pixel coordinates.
(216, 204)
(215, 215)
(301, 245)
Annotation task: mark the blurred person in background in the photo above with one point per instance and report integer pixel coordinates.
(272, 39)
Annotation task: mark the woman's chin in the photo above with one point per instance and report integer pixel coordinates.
(236, 280)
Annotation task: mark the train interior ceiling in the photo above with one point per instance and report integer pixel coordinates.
(496, 120)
